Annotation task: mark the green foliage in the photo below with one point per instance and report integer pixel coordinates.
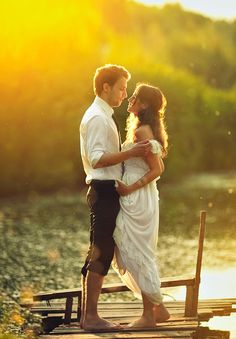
(17, 322)
(47, 67)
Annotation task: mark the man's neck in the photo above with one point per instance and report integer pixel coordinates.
(104, 98)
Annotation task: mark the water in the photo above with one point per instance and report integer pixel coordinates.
(215, 284)
(217, 195)
(44, 239)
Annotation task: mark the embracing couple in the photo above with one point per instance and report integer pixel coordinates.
(122, 194)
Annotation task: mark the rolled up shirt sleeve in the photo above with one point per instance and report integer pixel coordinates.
(97, 131)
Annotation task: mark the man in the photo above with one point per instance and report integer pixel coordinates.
(102, 161)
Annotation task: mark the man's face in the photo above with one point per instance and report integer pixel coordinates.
(117, 93)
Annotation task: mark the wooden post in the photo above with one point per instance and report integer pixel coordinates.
(68, 311)
(191, 302)
(200, 245)
(79, 308)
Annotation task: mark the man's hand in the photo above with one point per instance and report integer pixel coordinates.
(122, 188)
(141, 149)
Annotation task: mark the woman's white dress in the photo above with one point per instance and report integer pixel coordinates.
(136, 231)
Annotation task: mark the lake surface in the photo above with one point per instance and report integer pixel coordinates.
(44, 239)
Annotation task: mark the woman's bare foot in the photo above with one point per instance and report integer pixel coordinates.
(143, 322)
(161, 313)
(97, 323)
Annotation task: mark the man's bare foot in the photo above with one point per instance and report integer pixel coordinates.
(97, 323)
(161, 313)
(143, 322)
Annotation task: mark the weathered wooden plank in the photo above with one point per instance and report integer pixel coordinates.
(69, 304)
(125, 312)
(74, 328)
(75, 292)
(112, 288)
(215, 311)
(107, 309)
(128, 317)
(202, 313)
(177, 281)
(119, 335)
(127, 332)
(134, 304)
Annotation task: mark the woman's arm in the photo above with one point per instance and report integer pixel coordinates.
(156, 168)
(154, 161)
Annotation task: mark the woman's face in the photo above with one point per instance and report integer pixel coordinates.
(135, 105)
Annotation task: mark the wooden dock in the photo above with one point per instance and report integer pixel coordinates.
(178, 326)
(61, 309)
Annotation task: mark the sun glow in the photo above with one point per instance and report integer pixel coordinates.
(42, 31)
(214, 284)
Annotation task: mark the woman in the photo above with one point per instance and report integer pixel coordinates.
(136, 232)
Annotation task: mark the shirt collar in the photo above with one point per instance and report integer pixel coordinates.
(104, 105)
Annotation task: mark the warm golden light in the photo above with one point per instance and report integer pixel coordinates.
(215, 284)
(49, 52)
(224, 323)
(36, 33)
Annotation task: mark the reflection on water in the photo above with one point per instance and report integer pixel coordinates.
(214, 284)
(218, 283)
(224, 324)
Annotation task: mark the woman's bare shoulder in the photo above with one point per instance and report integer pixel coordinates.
(144, 132)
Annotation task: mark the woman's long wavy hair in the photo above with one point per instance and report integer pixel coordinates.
(153, 115)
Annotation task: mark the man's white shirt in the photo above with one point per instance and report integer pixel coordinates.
(99, 135)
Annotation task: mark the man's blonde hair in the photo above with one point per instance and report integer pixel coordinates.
(108, 74)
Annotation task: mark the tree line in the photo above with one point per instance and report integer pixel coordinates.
(47, 67)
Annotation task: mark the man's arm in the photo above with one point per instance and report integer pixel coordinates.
(97, 136)
(140, 149)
